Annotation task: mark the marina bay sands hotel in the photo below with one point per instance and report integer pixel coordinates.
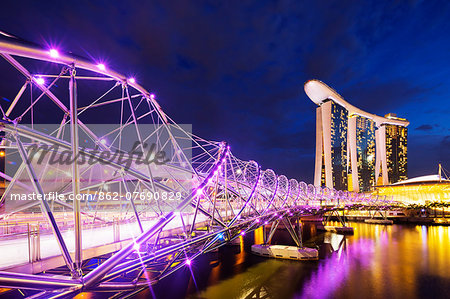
(355, 150)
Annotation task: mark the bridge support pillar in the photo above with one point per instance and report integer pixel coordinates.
(34, 243)
(116, 230)
(343, 229)
(299, 231)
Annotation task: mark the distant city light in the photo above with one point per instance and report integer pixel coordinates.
(101, 66)
(54, 53)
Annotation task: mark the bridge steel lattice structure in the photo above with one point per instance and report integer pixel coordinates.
(207, 196)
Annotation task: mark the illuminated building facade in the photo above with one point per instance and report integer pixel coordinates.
(355, 150)
(420, 190)
(396, 153)
(365, 152)
(337, 116)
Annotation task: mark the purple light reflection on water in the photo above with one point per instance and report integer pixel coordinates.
(376, 262)
(335, 269)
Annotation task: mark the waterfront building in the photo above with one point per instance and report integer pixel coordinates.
(396, 152)
(365, 151)
(355, 150)
(421, 190)
(336, 122)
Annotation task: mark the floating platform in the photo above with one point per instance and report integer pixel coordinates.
(442, 221)
(286, 252)
(379, 221)
(344, 230)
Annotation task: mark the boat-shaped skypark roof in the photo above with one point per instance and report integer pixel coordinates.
(319, 92)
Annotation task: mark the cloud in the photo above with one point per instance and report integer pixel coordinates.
(425, 127)
(383, 97)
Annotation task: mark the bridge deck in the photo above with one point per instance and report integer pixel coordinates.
(15, 248)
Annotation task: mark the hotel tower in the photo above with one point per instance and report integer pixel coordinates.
(355, 150)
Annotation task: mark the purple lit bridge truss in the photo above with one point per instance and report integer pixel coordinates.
(141, 221)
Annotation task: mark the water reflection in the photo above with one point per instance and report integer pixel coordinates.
(376, 262)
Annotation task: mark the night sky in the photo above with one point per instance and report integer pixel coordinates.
(235, 69)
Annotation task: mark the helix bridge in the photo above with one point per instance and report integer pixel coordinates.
(136, 222)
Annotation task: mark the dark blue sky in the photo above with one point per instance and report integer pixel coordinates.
(235, 69)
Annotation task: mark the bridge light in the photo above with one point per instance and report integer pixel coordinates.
(136, 246)
(39, 80)
(132, 80)
(188, 262)
(53, 53)
(101, 67)
(242, 233)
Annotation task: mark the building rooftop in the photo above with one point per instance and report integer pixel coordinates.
(433, 178)
(319, 92)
